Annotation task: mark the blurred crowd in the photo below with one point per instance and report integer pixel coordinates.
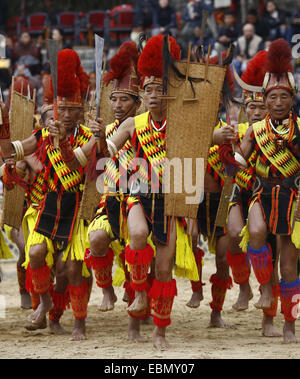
(26, 54)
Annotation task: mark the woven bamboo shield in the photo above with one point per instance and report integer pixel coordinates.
(192, 112)
(90, 195)
(21, 126)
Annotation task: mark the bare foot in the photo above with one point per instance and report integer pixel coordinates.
(159, 339)
(140, 302)
(216, 320)
(109, 299)
(78, 333)
(26, 300)
(134, 330)
(44, 307)
(289, 335)
(195, 300)
(268, 329)
(266, 297)
(56, 328)
(34, 326)
(245, 296)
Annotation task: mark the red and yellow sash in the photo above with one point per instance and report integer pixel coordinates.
(283, 159)
(70, 180)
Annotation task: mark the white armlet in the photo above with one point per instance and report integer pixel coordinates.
(80, 156)
(111, 148)
(239, 158)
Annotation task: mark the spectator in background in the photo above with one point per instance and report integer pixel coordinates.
(228, 33)
(247, 47)
(275, 20)
(295, 22)
(297, 99)
(27, 52)
(143, 17)
(193, 18)
(57, 34)
(3, 8)
(51, 12)
(5, 70)
(164, 19)
(261, 28)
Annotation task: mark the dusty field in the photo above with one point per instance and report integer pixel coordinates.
(189, 334)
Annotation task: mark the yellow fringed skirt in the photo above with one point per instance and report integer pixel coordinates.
(76, 247)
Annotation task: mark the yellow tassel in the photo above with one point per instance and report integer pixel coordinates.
(36, 238)
(119, 277)
(8, 230)
(296, 234)
(100, 223)
(212, 243)
(245, 238)
(185, 264)
(5, 253)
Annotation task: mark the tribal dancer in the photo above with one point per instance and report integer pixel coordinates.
(275, 141)
(105, 231)
(145, 210)
(213, 182)
(58, 226)
(256, 110)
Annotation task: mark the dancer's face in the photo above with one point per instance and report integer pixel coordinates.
(256, 111)
(279, 102)
(68, 116)
(123, 105)
(152, 94)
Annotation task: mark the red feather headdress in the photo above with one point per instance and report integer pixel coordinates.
(254, 76)
(123, 69)
(150, 63)
(278, 68)
(72, 81)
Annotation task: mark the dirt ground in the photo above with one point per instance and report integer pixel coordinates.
(189, 334)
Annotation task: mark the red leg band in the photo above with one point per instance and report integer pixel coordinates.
(162, 296)
(79, 300)
(102, 267)
(289, 297)
(261, 261)
(41, 279)
(218, 290)
(272, 311)
(60, 303)
(139, 262)
(240, 267)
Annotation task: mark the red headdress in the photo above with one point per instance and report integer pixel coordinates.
(254, 76)
(21, 85)
(278, 68)
(72, 81)
(123, 69)
(150, 64)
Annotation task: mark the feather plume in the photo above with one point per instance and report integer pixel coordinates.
(121, 63)
(254, 73)
(151, 58)
(279, 57)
